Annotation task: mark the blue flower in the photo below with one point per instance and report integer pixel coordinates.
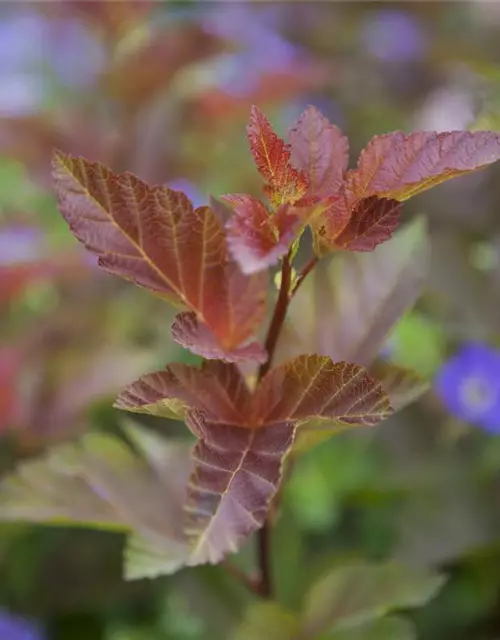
(469, 386)
(394, 36)
(13, 627)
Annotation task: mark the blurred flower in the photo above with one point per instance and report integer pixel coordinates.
(469, 386)
(446, 109)
(20, 244)
(190, 189)
(30, 43)
(262, 49)
(74, 54)
(13, 627)
(393, 35)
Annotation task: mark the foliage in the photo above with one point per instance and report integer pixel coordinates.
(302, 302)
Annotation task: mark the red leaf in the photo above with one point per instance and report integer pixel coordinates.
(272, 157)
(237, 472)
(321, 151)
(372, 222)
(154, 237)
(195, 336)
(244, 437)
(217, 389)
(256, 238)
(330, 223)
(399, 165)
(310, 387)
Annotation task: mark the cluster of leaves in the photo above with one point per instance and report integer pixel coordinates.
(213, 263)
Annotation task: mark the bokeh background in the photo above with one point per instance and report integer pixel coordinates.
(163, 89)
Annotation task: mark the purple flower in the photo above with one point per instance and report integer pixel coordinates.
(13, 627)
(261, 47)
(469, 386)
(30, 44)
(20, 244)
(394, 36)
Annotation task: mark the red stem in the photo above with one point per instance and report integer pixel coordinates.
(264, 586)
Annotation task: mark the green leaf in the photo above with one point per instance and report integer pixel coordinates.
(418, 343)
(350, 303)
(267, 621)
(100, 482)
(391, 628)
(401, 385)
(360, 592)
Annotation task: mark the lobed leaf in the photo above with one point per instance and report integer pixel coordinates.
(398, 165)
(257, 239)
(189, 332)
(237, 473)
(403, 386)
(285, 184)
(321, 151)
(349, 305)
(216, 388)
(154, 237)
(372, 221)
(360, 592)
(316, 388)
(100, 482)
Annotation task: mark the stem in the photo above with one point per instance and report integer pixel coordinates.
(278, 317)
(264, 540)
(252, 584)
(264, 585)
(302, 276)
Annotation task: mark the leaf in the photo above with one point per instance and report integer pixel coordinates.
(403, 386)
(398, 165)
(315, 387)
(100, 482)
(257, 239)
(330, 224)
(244, 437)
(237, 472)
(285, 184)
(320, 150)
(154, 237)
(372, 221)
(151, 557)
(195, 336)
(217, 389)
(390, 628)
(357, 593)
(267, 621)
(349, 305)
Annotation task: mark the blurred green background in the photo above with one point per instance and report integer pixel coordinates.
(163, 89)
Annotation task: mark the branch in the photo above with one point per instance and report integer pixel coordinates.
(278, 317)
(265, 585)
(303, 275)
